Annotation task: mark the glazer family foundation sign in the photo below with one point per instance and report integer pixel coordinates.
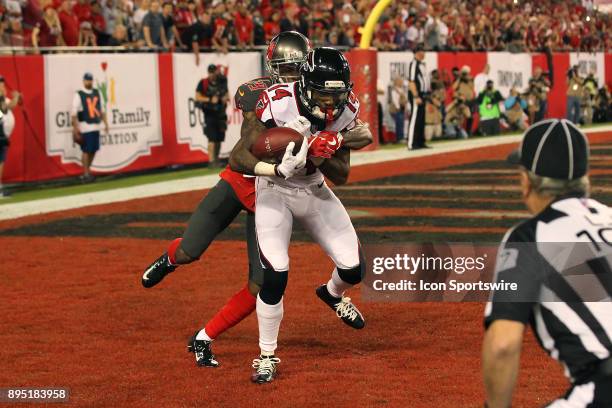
(130, 98)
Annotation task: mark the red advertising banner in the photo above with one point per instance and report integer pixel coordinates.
(41, 147)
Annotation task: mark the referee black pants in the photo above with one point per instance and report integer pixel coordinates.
(416, 128)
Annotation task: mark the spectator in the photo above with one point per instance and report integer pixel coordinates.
(48, 33)
(172, 34)
(14, 35)
(119, 37)
(272, 26)
(480, 81)
(153, 32)
(287, 22)
(70, 24)
(87, 38)
(401, 37)
(199, 35)
(436, 33)
(457, 112)
(185, 15)
(87, 115)
(7, 123)
(514, 106)
(139, 14)
(488, 102)
(98, 24)
(259, 34)
(212, 96)
(574, 94)
(82, 9)
(416, 34)
(464, 88)
(397, 107)
(244, 26)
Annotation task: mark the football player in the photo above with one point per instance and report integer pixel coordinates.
(322, 107)
(232, 194)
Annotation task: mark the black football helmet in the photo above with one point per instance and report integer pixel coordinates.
(286, 53)
(325, 83)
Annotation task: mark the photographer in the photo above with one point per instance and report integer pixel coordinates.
(397, 107)
(515, 105)
(212, 96)
(488, 107)
(463, 87)
(542, 85)
(532, 97)
(574, 94)
(7, 123)
(589, 92)
(433, 118)
(603, 106)
(457, 113)
(4, 144)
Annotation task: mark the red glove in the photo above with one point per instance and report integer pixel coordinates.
(334, 139)
(324, 144)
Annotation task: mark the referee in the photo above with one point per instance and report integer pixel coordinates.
(418, 86)
(560, 261)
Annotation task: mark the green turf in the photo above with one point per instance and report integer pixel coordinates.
(106, 183)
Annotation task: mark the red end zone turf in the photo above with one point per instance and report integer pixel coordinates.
(74, 315)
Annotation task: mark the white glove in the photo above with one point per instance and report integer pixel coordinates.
(300, 124)
(291, 164)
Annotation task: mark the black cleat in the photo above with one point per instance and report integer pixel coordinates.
(157, 271)
(343, 307)
(203, 353)
(265, 369)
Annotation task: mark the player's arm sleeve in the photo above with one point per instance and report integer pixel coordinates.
(519, 263)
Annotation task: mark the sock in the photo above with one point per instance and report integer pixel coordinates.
(172, 250)
(202, 335)
(269, 318)
(336, 286)
(235, 310)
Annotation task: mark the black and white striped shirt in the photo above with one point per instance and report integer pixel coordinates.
(417, 73)
(561, 261)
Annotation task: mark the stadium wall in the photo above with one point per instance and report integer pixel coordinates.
(154, 123)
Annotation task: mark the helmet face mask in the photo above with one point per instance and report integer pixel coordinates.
(288, 71)
(325, 83)
(286, 52)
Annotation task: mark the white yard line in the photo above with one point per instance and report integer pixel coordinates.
(47, 205)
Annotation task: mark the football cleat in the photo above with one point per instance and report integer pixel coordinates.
(265, 369)
(157, 271)
(203, 352)
(343, 307)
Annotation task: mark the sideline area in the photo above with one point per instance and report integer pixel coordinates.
(188, 180)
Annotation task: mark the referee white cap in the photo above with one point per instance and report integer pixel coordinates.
(553, 148)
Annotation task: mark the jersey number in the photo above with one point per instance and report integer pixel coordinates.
(279, 92)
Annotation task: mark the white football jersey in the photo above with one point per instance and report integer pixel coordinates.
(279, 104)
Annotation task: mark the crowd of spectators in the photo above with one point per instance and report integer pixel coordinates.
(460, 104)
(514, 25)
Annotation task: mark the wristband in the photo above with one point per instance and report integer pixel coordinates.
(264, 169)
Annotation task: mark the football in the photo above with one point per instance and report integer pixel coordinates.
(271, 144)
